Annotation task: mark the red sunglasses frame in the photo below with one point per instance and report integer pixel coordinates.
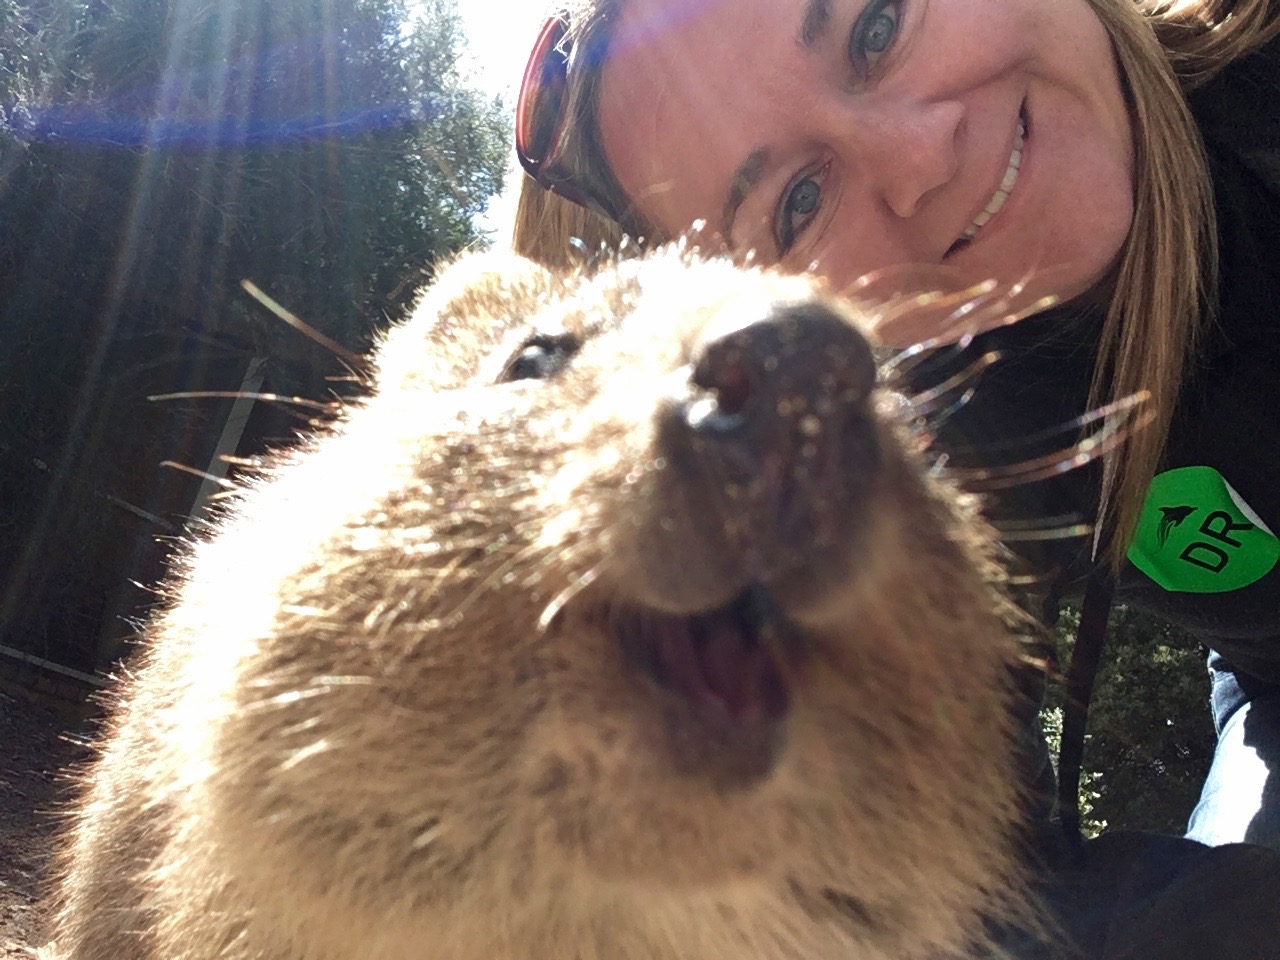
(540, 126)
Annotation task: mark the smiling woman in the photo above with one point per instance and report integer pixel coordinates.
(866, 137)
(1121, 155)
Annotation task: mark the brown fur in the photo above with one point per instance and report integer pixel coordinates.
(385, 715)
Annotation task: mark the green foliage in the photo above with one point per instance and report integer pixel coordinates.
(322, 145)
(1150, 736)
(154, 154)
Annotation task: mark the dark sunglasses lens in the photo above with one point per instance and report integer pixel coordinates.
(540, 108)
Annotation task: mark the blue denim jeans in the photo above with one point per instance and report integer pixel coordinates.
(1241, 796)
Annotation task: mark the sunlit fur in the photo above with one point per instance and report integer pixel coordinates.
(383, 716)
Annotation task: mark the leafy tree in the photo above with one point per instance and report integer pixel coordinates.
(153, 154)
(1150, 736)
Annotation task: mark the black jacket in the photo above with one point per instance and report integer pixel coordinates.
(1205, 558)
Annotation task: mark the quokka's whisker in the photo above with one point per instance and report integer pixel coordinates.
(1073, 425)
(1067, 532)
(354, 359)
(1061, 461)
(924, 403)
(242, 395)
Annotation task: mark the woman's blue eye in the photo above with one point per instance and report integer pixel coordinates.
(874, 33)
(804, 198)
(799, 204)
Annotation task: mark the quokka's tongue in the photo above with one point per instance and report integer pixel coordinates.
(718, 663)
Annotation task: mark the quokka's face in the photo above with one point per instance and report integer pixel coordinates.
(635, 592)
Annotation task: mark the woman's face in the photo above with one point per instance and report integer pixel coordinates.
(850, 135)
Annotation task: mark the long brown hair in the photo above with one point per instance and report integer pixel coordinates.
(1164, 286)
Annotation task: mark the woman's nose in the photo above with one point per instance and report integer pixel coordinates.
(904, 149)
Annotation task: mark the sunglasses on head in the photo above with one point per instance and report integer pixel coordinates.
(542, 114)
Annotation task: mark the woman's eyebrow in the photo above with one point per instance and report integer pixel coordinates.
(816, 22)
(814, 26)
(744, 181)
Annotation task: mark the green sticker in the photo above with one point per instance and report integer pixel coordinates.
(1197, 535)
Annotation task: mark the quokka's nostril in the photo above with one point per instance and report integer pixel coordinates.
(730, 381)
(798, 358)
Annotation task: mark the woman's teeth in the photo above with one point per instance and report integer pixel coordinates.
(1005, 188)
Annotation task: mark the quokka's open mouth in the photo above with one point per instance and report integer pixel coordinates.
(732, 666)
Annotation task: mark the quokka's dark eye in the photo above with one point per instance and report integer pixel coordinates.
(540, 357)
